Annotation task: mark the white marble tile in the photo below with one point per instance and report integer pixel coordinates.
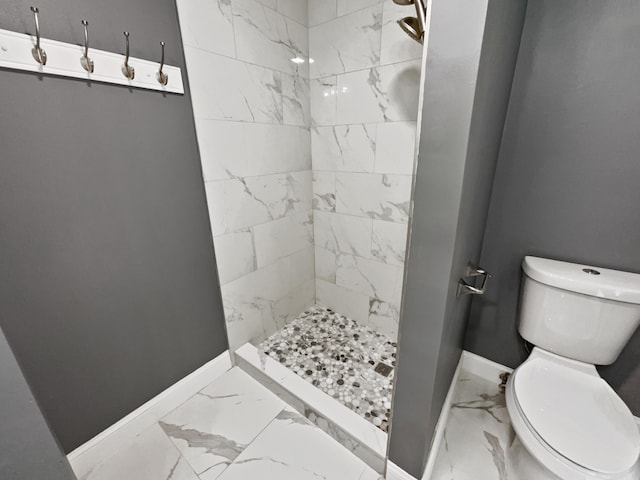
(348, 302)
(240, 203)
(296, 102)
(213, 427)
(477, 435)
(323, 97)
(395, 148)
(248, 301)
(281, 238)
(208, 25)
(375, 279)
(244, 92)
(241, 149)
(396, 45)
(303, 263)
(324, 191)
(389, 242)
(343, 233)
(289, 307)
(382, 94)
(382, 197)
(293, 448)
(384, 317)
(235, 255)
(295, 9)
(321, 11)
(346, 148)
(272, 4)
(267, 38)
(347, 43)
(325, 262)
(347, 6)
(151, 456)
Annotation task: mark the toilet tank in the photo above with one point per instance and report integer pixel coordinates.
(577, 311)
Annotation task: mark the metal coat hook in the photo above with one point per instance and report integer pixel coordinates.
(162, 77)
(127, 70)
(38, 53)
(85, 61)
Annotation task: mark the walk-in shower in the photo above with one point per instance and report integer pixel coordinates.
(414, 26)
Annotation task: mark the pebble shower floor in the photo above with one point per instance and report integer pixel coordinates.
(338, 356)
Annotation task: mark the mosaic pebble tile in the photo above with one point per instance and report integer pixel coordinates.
(338, 356)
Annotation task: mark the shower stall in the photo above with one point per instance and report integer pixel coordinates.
(306, 123)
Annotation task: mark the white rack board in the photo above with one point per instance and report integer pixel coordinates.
(63, 59)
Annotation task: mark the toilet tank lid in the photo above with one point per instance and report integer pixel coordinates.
(585, 279)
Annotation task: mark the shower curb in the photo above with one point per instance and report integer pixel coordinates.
(361, 437)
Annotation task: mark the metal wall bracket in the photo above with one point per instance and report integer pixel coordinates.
(473, 270)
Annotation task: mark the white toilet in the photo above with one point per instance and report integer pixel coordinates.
(569, 422)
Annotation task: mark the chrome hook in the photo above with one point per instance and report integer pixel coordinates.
(38, 53)
(162, 77)
(127, 70)
(85, 61)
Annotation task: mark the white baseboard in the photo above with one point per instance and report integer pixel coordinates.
(483, 367)
(107, 443)
(394, 472)
(442, 421)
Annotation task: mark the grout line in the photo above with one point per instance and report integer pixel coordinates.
(380, 2)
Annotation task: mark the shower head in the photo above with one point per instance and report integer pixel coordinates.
(414, 26)
(411, 26)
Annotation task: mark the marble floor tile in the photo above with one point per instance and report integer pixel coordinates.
(292, 448)
(477, 435)
(216, 425)
(151, 456)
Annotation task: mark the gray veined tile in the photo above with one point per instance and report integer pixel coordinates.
(241, 149)
(321, 11)
(244, 93)
(347, 43)
(215, 426)
(268, 38)
(378, 280)
(324, 191)
(151, 456)
(207, 25)
(381, 197)
(323, 96)
(291, 448)
(346, 148)
(380, 94)
(396, 45)
(295, 9)
(296, 103)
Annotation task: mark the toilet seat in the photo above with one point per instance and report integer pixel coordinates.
(575, 419)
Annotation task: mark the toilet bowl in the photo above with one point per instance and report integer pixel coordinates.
(569, 423)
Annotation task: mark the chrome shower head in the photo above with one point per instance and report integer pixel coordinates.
(411, 26)
(403, 2)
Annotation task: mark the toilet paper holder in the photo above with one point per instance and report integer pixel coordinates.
(473, 270)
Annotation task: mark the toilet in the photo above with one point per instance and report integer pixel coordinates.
(569, 423)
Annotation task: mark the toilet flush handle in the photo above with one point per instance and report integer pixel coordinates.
(473, 270)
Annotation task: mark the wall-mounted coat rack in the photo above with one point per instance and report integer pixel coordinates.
(20, 51)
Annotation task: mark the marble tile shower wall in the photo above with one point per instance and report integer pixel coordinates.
(251, 108)
(364, 83)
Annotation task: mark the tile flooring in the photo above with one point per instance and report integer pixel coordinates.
(478, 433)
(234, 429)
(339, 356)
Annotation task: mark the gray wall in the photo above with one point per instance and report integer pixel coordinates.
(108, 287)
(567, 182)
(469, 72)
(28, 450)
